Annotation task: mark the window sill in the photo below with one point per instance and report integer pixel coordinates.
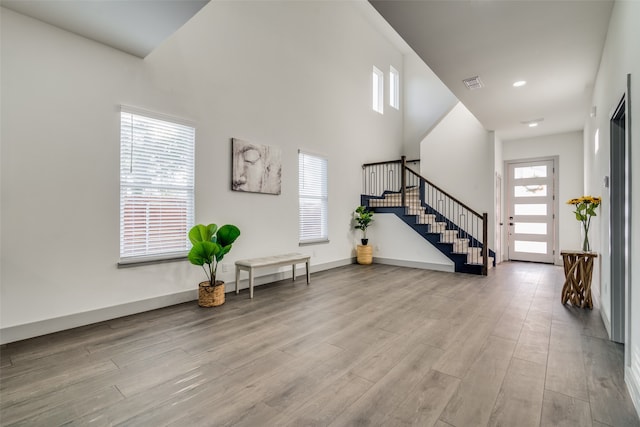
(158, 259)
(313, 242)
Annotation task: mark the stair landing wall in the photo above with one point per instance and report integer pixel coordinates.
(396, 243)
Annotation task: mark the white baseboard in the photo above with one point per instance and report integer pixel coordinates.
(43, 327)
(415, 264)
(632, 379)
(605, 320)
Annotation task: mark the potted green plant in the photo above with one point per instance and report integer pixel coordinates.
(363, 219)
(210, 245)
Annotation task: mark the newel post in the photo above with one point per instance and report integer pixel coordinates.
(403, 180)
(485, 244)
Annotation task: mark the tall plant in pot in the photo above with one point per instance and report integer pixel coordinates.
(363, 219)
(210, 245)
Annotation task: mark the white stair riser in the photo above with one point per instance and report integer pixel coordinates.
(438, 227)
(426, 219)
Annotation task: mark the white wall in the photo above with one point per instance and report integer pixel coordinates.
(568, 147)
(426, 101)
(458, 156)
(289, 74)
(620, 57)
(396, 243)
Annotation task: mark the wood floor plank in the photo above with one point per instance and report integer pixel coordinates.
(5, 359)
(172, 398)
(425, 402)
(385, 395)
(520, 399)
(565, 364)
(473, 401)
(23, 386)
(378, 363)
(75, 407)
(362, 345)
(592, 325)
(323, 407)
(510, 324)
(469, 342)
(286, 389)
(608, 396)
(47, 362)
(559, 410)
(533, 342)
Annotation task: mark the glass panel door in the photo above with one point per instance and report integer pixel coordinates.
(530, 210)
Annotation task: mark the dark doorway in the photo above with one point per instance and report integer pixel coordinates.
(619, 219)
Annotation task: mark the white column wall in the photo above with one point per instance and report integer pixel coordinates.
(426, 101)
(620, 57)
(458, 156)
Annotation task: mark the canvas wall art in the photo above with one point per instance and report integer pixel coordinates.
(256, 168)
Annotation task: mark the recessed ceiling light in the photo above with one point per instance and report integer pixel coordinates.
(533, 123)
(519, 83)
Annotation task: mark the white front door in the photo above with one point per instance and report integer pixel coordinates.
(531, 216)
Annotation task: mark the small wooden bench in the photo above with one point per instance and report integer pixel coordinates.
(270, 261)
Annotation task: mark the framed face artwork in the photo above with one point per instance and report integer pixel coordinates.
(256, 168)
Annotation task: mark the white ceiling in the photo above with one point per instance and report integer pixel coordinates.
(133, 26)
(554, 45)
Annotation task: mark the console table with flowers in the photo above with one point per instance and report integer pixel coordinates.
(578, 265)
(578, 271)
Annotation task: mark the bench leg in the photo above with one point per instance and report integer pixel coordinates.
(293, 270)
(237, 280)
(308, 274)
(251, 282)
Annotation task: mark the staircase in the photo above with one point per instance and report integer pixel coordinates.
(449, 225)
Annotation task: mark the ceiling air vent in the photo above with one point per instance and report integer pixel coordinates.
(473, 83)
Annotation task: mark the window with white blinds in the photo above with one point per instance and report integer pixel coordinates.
(156, 186)
(312, 189)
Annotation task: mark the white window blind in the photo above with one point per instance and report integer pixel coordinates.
(312, 176)
(394, 88)
(156, 186)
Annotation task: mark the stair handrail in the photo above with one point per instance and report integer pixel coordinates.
(403, 190)
(445, 193)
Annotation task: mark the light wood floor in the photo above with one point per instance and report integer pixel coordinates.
(361, 346)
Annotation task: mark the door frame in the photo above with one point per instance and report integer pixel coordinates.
(499, 215)
(557, 259)
(619, 219)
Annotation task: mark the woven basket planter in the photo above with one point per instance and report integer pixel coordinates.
(211, 296)
(364, 254)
